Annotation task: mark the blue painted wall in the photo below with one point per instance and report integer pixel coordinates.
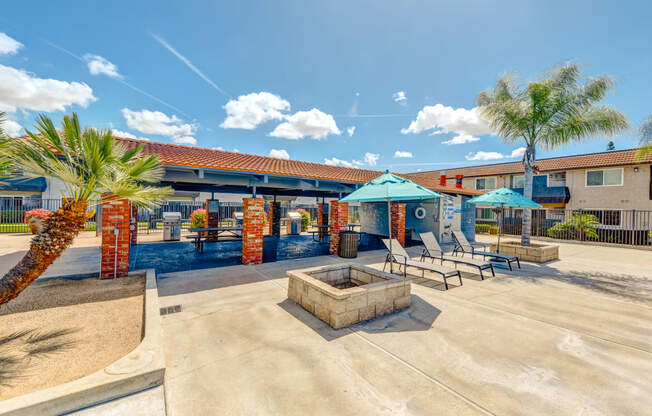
(373, 217)
(468, 218)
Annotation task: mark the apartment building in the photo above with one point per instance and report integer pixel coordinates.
(610, 185)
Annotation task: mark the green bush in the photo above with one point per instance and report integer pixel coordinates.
(305, 219)
(482, 228)
(571, 229)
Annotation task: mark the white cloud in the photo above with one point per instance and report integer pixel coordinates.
(11, 128)
(313, 123)
(436, 132)
(20, 89)
(350, 131)
(120, 133)
(217, 148)
(8, 45)
(236, 150)
(495, 155)
(399, 153)
(371, 158)
(338, 162)
(184, 140)
(279, 153)
(461, 139)
(250, 110)
(400, 97)
(449, 119)
(99, 65)
(156, 122)
(518, 152)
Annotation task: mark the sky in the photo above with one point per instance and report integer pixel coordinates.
(368, 84)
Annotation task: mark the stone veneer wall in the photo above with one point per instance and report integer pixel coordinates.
(398, 222)
(115, 214)
(338, 221)
(252, 230)
(380, 293)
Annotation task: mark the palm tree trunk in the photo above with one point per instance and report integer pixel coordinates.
(528, 163)
(57, 235)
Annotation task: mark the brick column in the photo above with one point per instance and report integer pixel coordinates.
(115, 214)
(270, 219)
(398, 222)
(338, 220)
(252, 230)
(133, 230)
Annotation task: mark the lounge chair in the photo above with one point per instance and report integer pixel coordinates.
(402, 258)
(463, 246)
(432, 249)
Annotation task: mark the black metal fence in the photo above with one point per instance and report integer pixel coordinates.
(13, 210)
(630, 227)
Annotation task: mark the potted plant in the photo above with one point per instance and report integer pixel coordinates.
(198, 218)
(35, 219)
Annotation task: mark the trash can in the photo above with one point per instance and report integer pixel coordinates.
(348, 248)
(293, 223)
(171, 226)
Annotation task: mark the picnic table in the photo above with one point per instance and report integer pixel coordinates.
(211, 234)
(321, 232)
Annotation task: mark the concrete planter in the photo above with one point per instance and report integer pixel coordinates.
(344, 294)
(537, 253)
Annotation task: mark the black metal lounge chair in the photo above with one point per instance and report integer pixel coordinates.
(402, 258)
(432, 249)
(463, 246)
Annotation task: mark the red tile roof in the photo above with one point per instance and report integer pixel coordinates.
(198, 157)
(590, 160)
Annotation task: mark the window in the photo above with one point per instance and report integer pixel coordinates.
(604, 177)
(485, 183)
(557, 179)
(518, 181)
(484, 214)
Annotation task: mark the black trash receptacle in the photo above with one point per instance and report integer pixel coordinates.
(348, 244)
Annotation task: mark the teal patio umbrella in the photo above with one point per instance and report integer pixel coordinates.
(502, 198)
(389, 187)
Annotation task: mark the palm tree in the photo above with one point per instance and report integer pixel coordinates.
(5, 164)
(552, 112)
(645, 134)
(89, 163)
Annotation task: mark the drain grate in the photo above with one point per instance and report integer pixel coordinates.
(171, 309)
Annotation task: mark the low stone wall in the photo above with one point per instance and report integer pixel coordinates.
(378, 293)
(537, 253)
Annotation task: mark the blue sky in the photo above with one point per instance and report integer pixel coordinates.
(297, 76)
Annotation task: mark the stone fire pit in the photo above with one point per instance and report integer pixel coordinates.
(344, 294)
(538, 253)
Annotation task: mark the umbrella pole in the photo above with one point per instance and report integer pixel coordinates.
(500, 225)
(389, 223)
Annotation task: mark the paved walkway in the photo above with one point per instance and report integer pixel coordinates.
(570, 337)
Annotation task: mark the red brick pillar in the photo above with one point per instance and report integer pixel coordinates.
(398, 222)
(115, 215)
(252, 230)
(133, 229)
(270, 219)
(339, 220)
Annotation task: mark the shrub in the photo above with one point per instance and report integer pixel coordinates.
(305, 219)
(198, 218)
(570, 229)
(483, 228)
(40, 213)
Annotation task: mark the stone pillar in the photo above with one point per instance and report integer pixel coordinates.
(398, 222)
(115, 215)
(339, 220)
(133, 226)
(252, 230)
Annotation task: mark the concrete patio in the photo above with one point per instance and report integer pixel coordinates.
(566, 337)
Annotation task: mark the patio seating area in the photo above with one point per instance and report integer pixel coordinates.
(569, 337)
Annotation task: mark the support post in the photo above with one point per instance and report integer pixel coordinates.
(115, 237)
(252, 230)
